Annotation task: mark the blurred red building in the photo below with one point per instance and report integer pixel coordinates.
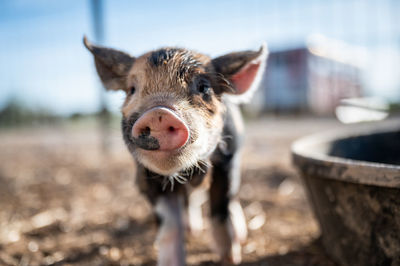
(313, 78)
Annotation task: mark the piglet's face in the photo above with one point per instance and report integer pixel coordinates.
(171, 115)
(173, 111)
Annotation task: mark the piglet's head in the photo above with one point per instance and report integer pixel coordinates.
(174, 105)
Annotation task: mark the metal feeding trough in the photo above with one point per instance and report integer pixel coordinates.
(352, 178)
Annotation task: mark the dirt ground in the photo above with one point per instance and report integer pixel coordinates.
(64, 202)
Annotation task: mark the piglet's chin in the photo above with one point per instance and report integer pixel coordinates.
(161, 162)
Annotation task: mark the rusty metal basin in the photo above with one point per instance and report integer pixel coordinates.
(352, 178)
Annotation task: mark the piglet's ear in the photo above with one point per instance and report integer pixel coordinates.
(112, 65)
(243, 70)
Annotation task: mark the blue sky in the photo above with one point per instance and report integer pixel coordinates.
(44, 64)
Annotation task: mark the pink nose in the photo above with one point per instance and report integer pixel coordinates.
(164, 125)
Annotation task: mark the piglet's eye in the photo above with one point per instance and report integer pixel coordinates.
(133, 89)
(204, 88)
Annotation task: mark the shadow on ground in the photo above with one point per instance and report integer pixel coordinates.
(308, 255)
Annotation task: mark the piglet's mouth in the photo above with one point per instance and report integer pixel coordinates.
(160, 129)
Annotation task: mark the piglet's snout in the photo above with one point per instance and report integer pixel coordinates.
(160, 129)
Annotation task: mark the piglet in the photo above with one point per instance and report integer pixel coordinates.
(182, 125)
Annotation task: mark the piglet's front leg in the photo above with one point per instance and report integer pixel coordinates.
(170, 239)
(228, 222)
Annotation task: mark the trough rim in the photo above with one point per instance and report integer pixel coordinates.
(349, 170)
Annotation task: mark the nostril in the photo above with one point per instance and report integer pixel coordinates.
(145, 132)
(171, 129)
